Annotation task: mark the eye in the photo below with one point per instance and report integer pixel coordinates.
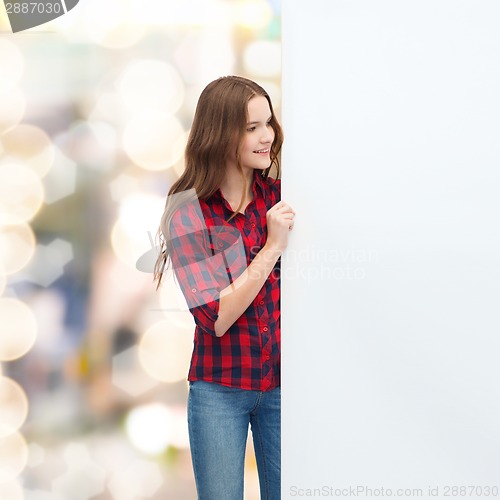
(268, 123)
(251, 129)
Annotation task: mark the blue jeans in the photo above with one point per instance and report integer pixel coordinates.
(218, 419)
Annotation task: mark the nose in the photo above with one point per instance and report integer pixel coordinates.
(268, 135)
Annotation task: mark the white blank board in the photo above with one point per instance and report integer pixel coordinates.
(391, 282)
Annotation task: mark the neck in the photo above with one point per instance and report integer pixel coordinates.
(233, 184)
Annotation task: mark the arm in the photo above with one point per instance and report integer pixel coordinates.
(235, 298)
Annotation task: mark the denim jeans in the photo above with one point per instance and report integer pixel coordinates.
(218, 419)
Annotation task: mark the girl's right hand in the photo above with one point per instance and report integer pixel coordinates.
(279, 224)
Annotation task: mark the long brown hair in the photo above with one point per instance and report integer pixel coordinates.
(219, 122)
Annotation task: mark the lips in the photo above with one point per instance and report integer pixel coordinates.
(262, 151)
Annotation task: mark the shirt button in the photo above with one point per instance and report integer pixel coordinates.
(261, 302)
(193, 290)
(253, 224)
(265, 329)
(267, 357)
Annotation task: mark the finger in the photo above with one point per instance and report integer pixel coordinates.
(284, 209)
(283, 215)
(281, 204)
(282, 218)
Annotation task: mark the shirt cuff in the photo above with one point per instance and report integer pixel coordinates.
(206, 313)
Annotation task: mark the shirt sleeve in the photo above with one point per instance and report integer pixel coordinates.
(195, 266)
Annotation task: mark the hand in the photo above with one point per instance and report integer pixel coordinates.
(279, 224)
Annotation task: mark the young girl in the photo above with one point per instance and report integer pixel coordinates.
(224, 229)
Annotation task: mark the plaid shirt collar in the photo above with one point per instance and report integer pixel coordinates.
(258, 184)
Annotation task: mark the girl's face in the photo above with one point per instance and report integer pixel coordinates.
(255, 148)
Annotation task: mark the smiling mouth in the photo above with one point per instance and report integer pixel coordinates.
(262, 151)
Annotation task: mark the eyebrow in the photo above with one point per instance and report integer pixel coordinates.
(255, 123)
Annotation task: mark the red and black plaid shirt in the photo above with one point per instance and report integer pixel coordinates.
(209, 253)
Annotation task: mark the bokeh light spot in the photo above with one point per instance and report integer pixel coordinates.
(21, 193)
(151, 85)
(13, 456)
(154, 140)
(165, 350)
(17, 246)
(14, 405)
(149, 428)
(31, 146)
(18, 329)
